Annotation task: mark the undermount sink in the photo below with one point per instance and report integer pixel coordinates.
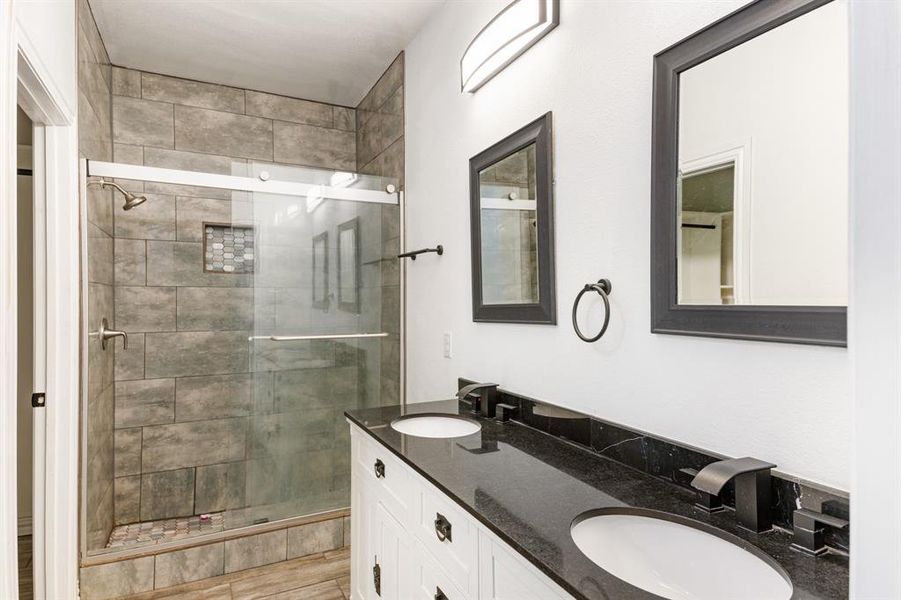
(677, 558)
(431, 425)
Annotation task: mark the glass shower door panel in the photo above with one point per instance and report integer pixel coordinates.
(321, 269)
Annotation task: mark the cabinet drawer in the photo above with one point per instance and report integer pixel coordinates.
(390, 481)
(429, 581)
(450, 534)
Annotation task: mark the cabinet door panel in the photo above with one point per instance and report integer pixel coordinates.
(390, 551)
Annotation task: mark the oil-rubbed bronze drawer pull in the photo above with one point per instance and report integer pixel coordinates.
(439, 595)
(442, 528)
(379, 468)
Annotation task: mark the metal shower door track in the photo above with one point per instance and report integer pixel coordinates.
(98, 168)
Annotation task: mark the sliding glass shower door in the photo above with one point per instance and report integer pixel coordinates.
(258, 307)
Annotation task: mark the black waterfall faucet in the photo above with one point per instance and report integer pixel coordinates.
(752, 490)
(481, 396)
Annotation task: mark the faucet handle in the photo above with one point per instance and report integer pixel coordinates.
(807, 536)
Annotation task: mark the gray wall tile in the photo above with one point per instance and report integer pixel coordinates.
(255, 550)
(391, 79)
(219, 487)
(284, 108)
(167, 494)
(191, 444)
(143, 122)
(130, 262)
(126, 82)
(314, 146)
(191, 564)
(199, 398)
(314, 538)
(181, 264)
(345, 118)
(130, 362)
(196, 353)
(347, 531)
(100, 255)
(128, 154)
(190, 161)
(144, 402)
(127, 502)
(141, 309)
(117, 579)
(128, 452)
(202, 130)
(154, 220)
(205, 309)
(100, 207)
(192, 213)
(192, 93)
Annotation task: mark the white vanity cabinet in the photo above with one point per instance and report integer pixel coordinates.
(409, 541)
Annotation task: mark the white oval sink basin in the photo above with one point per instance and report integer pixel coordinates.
(436, 426)
(675, 558)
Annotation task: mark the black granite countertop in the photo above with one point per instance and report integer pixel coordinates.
(527, 487)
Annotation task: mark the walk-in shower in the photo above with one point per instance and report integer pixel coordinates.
(258, 306)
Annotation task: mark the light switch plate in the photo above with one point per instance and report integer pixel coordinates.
(448, 344)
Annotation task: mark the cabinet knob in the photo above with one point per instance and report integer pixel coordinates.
(442, 528)
(379, 468)
(439, 595)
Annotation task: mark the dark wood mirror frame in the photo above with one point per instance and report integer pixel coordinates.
(537, 132)
(822, 325)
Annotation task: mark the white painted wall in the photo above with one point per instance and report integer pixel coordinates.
(784, 94)
(874, 337)
(785, 403)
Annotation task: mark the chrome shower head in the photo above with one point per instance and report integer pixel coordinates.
(130, 199)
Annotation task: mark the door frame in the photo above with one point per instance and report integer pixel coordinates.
(26, 81)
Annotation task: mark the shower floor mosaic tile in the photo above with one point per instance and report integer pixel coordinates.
(166, 530)
(227, 248)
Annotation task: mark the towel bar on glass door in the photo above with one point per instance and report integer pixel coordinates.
(331, 336)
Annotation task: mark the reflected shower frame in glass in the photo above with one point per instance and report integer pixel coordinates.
(391, 195)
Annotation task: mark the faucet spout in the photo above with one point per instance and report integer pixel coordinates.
(752, 489)
(481, 403)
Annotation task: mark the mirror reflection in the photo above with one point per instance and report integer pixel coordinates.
(763, 176)
(509, 232)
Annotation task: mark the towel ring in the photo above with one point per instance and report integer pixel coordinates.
(603, 287)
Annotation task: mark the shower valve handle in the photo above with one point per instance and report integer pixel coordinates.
(106, 334)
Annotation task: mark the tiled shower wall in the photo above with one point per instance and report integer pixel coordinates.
(205, 420)
(95, 142)
(380, 151)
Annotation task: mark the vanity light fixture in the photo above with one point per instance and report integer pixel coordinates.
(513, 31)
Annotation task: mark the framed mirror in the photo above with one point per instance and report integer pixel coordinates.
(349, 265)
(749, 210)
(512, 228)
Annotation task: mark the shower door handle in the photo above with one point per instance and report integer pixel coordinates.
(106, 334)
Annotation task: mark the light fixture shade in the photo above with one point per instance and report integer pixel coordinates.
(513, 31)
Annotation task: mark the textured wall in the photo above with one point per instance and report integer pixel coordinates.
(205, 420)
(380, 151)
(95, 142)
(595, 73)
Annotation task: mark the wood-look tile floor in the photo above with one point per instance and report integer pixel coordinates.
(316, 577)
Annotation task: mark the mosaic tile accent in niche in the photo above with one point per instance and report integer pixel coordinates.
(227, 248)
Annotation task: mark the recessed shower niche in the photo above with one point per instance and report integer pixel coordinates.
(228, 248)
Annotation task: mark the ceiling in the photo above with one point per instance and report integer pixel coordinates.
(326, 50)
